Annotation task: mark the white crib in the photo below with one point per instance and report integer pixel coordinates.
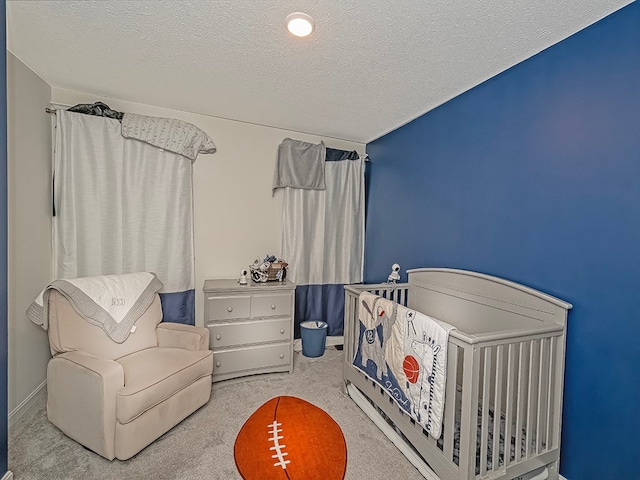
(506, 356)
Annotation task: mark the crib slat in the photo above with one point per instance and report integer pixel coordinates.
(402, 297)
(527, 432)
(551, 417)
(549, 393)
(541, 390)
(469, 413)
(511, 369)
(520, 403)
(497, 408)
(486, 405)
(531, 398)
(450, 401)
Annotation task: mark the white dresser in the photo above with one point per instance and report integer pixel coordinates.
(250, 327)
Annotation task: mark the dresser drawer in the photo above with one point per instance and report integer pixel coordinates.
(227, 308)
(257, 331)
(271, 305)
(251, 358)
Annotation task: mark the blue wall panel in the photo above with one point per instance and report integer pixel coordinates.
(534, 176)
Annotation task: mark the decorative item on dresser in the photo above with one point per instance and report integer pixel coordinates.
(251, 327)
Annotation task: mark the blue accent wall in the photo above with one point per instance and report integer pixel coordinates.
(3, 246)
(534, 176)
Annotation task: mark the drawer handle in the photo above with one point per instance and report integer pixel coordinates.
(229, 309)
(218, 337)
(217, 364)
(282, 331)
(282, 355)
(273, 306)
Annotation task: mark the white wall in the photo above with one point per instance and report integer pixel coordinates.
(29, 217)
(236, 218)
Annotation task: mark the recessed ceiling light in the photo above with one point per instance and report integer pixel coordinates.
(300, 24)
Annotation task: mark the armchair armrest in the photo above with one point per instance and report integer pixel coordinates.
(178, 335)
(81, 398)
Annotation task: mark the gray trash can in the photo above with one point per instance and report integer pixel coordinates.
(314, 338)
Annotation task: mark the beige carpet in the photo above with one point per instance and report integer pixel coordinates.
(201, 447)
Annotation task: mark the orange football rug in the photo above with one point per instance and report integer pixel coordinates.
(288, 438)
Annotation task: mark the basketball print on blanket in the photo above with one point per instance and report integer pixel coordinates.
(288, 438)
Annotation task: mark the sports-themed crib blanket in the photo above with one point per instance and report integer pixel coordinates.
(405, 352)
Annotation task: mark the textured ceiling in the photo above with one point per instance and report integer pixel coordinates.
(370, 66)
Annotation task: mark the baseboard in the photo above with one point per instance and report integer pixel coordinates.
(8, 475)
(26, 404)
(332, 341)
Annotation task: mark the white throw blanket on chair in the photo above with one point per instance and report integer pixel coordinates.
(113, 302)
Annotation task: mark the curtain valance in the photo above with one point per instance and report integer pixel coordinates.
(169, 134)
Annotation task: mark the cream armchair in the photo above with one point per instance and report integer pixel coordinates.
(117, 398)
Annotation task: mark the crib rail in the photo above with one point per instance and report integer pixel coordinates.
(503, 399)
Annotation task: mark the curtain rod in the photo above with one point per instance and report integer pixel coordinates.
(53, 110)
